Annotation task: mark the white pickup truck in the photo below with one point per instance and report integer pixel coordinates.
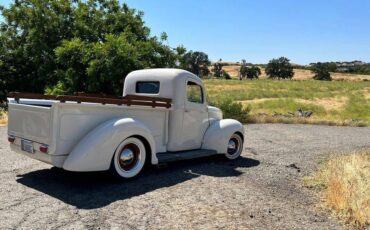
(163, 116)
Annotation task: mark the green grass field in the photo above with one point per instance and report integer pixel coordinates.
(333, 103)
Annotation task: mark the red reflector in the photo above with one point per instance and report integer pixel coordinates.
(44, 148)
(11, 139)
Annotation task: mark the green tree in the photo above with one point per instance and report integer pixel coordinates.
(321, 71)
(280, 69)
(217, 69)
(75, 46)
(243, 69)
(29, 33)
(196, 62)
(253, 72)
(180, 52)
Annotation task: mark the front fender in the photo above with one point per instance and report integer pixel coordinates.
(218, 134)
(95, 151)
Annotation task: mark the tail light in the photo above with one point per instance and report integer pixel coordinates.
(11, 139)
(43, 148)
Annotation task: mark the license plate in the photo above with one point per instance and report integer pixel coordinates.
(27, 146)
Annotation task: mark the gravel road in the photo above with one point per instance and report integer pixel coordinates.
(261, 190)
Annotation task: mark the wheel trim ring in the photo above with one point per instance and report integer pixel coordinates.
(136, 157)
(237, 140)
(234, 143)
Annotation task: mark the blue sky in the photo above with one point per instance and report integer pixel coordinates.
(304, 31)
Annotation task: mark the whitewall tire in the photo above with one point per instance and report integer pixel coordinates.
(234, 147)
(129, 158)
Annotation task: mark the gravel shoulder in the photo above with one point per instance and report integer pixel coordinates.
(261, 190)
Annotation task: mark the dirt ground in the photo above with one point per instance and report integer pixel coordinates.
(261, 190)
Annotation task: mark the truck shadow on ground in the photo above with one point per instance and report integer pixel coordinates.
(95, 190)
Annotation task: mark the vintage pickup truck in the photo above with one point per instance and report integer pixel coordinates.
(162, 116)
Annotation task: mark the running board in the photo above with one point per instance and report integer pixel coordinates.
(184, 155)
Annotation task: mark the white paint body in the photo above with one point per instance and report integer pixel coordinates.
(84, 137)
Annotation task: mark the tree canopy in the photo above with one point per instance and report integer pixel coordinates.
(217, 69)
(251, 72)
(321, 71)
(280, 68)
(196, 62)
(66, 46)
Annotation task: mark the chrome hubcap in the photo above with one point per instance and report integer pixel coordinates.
(129, 157)
(126, 157)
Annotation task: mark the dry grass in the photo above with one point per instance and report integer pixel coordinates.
(345, 187)
(337, 103)
(233, 70)
(349, 77)
(3, 118)
(366, 93)
(255, 118)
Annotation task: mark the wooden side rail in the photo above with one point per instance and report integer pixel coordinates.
(83, 94)
(132, 97)
(18, 95)
(93, 98)
(137, 97)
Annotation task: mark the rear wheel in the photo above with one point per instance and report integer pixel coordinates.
(234, 147)
(129, 158)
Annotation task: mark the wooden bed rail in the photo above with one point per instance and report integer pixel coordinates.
(97, 98)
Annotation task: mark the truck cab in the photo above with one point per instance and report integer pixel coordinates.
(188, 117)
(85, 133)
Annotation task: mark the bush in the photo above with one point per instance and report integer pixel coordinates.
(232, 109)
(226, 76)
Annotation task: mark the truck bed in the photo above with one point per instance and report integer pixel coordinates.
(61, 122)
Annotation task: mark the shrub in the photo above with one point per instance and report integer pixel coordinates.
(232, 109)
(226, 76)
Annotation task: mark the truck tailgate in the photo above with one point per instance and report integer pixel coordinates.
(30, 122)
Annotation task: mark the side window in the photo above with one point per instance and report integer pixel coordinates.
(149, 87)
(194, 92)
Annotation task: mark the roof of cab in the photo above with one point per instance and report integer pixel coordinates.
(163, 74)
(171, 82)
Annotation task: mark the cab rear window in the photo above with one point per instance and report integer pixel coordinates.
(148, 87)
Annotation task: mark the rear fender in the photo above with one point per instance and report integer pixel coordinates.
(218, 134)
(95, 151)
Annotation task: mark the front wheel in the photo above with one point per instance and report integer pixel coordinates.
(129, 158)
(234, 147)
